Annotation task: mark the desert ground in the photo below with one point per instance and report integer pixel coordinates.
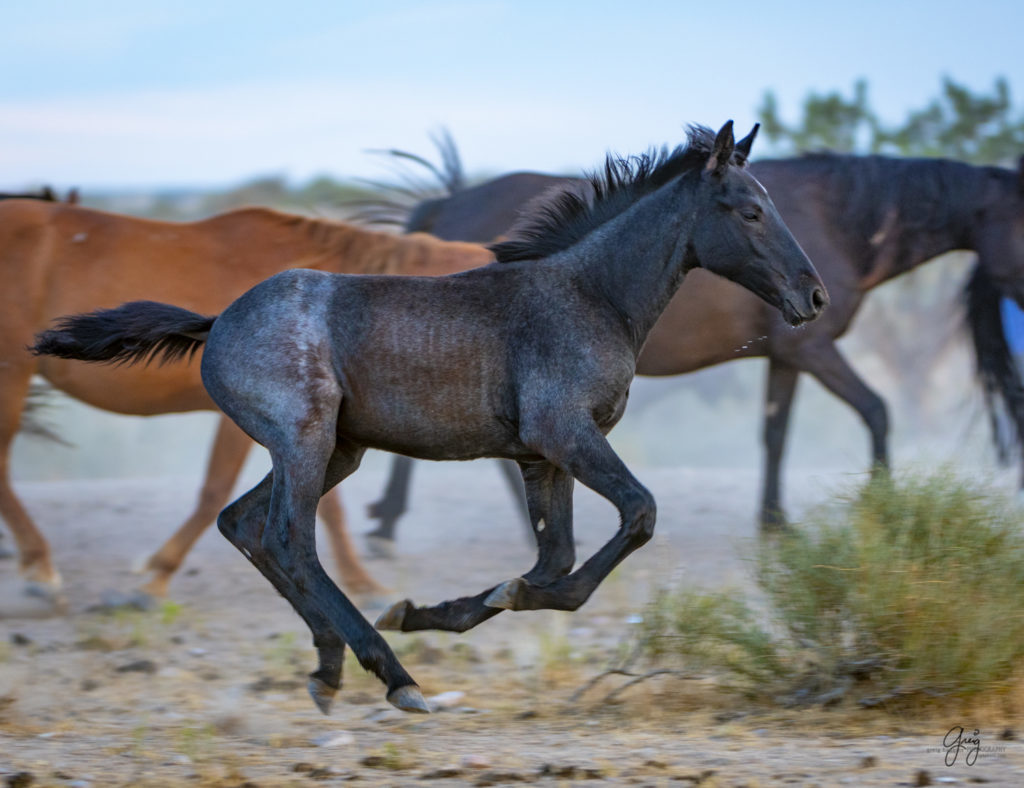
(207, 688)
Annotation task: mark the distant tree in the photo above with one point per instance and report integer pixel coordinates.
(830, 122)
(977, 128)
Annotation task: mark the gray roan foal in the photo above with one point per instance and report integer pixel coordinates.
(529, 358)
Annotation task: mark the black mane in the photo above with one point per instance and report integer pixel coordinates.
(561, 220)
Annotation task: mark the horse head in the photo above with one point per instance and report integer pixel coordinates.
(742, 237)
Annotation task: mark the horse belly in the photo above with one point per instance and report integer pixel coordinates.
(134, 390)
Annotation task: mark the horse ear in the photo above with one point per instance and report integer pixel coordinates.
(743, 146)
(721, 152)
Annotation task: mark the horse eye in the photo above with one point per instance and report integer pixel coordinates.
(750, 216)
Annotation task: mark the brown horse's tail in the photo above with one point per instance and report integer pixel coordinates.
(133, 332)
(996, 367)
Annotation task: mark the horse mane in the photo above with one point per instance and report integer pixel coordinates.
(560, 220)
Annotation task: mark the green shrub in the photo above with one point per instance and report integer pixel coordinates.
(912, 587)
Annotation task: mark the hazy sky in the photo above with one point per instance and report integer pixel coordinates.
(122, 93)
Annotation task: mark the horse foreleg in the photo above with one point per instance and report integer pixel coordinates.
(827, 364)
(36, 563)
(594, 463)
(549, 497)
(354, 576)
(781, 386)
(227, 456)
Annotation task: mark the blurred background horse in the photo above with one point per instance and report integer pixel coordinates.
(863, 220)
(58, 258)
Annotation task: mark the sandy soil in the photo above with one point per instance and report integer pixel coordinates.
(208, 688)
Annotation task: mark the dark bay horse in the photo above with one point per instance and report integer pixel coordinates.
(529, 358)
(56, 259)
(863, 220)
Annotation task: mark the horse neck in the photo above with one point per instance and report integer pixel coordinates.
(637, 260)
(352, 249)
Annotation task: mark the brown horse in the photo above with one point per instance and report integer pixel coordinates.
(57, 259)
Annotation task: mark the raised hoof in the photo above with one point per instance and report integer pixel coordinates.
(394, 616)
(506, 596)
(409, 698)
(322, 694)
(380, 547)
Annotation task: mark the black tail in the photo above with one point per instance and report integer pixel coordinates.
(133, 332)
(997, 370)
(399, 200)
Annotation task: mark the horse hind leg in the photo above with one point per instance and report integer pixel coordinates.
(288, 546)
(242, 523)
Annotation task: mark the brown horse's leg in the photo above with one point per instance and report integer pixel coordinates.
(354, 576)
(782, 380)
(33, 548)
(227, 456)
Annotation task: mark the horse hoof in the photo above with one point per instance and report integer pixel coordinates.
(379, 547)
(394, 616)
(409, 698)
(506, 595)
(47, 593)
(322, 694)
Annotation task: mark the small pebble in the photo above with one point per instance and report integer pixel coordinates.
(445, 700)
(335, 739)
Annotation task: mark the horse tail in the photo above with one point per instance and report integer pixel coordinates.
(996, 368)
(133, 332)
(400, 202)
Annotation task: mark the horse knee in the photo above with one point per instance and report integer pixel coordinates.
(642, 514)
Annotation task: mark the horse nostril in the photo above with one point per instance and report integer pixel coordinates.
(818, 299)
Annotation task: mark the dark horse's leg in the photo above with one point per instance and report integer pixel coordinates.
(549, 497)
(393, 505)
(824, 361)
(594, 463)
(285, 552)
(394, 502)
(782, 380)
